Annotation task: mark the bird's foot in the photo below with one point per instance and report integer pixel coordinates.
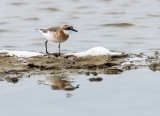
(60, 54)
(57, 54)
(47, 53)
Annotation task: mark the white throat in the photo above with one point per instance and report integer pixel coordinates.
(67, 31)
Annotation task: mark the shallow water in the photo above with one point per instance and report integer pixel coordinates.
(129, 93)
(126, 25)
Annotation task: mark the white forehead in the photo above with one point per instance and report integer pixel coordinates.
(67, 31)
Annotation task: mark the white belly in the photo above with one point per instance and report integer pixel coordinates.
(49, 36)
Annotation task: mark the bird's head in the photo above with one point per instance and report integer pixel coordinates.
(68, 29)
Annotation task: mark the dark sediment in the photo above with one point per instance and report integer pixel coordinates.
(12, 68)
(97, 79)
(155, 66)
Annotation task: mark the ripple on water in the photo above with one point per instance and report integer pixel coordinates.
(153, 15)
(8, 46)
(46, 2)
(4, 30)
(3, 23)
(119, 24)
(32, 19)
(115, 13)
(19, 3)
(51, 9)
(70, 16)
(84, 7)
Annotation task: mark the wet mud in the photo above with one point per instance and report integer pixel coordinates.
(12, 68)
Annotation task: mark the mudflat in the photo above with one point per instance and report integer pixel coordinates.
(12, 67)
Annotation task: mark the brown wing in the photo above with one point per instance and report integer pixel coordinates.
(53, 29)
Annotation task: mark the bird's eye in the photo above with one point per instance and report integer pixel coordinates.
(71, 27)
(67, 28)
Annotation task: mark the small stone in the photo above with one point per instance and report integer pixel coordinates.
(98, 79)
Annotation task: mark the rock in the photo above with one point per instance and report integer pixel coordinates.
(98, 79)
(155, 65)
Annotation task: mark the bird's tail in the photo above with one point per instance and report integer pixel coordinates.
(37, 29)
(40, 30)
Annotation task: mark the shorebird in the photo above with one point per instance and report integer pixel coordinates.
(57, 34)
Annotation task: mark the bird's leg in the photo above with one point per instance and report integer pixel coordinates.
(59, 49)
(46, 47)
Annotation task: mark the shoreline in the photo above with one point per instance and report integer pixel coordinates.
(13, 67)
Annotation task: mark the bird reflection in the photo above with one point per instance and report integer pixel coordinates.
(59, 82)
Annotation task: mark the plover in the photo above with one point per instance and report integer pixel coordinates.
(57, 34)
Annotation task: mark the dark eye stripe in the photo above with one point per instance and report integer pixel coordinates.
(68, 28)
(71, 27)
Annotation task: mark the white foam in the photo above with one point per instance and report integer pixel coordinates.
(96, 51)
(21, 53)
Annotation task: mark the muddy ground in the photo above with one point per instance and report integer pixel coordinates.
(12, 67)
